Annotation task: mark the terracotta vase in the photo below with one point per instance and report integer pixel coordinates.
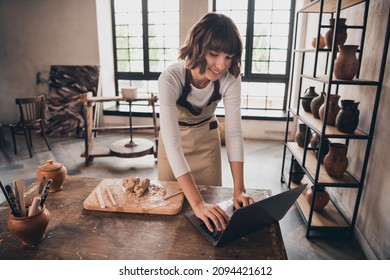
(347, 119)
(341, 35)
(346, 64)
(31, 229)
(333, 109)
(55, 171)
(321, 44)
(302, 133)
(297, 172)
(308, 96)
(322, 198)
(336, 161)
(316, 104)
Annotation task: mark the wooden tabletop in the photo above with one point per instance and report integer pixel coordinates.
(75, 233)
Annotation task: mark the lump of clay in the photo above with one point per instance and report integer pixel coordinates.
(140, 188)
(130, 183)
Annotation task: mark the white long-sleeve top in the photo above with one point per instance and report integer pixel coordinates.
(170, 87)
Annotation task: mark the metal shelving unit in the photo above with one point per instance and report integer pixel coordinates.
(331, 221)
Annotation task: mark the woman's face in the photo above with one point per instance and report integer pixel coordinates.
(217, 63)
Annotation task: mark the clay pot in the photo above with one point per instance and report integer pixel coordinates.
(316, 104)
(321, 44)
(347, 119)
(297, 172)
(302, 133)
(336, 161)
(31, 229)
(346, 64)
(322, 198)
(315, 142)
(55, 171)
(333, 109)
(341, 35)
(307, 98)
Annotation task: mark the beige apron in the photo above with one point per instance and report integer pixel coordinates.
(200, 141)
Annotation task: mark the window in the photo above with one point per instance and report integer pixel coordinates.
(146, 40)
(266, 30)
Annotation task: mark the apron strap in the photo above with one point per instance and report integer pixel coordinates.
(182, 101)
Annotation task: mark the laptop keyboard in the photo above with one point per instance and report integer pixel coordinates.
(215, 234)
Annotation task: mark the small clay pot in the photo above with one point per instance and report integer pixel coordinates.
(321, 44)
(30, 229)
(322, 198)
(55, 171)
(297, 172)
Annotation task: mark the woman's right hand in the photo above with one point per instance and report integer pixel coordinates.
(216, 214)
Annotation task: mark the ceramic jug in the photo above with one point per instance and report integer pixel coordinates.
(333, 109)
(341, 35)
(347, 119)
(308, 96)
(336, 161)
(346, 64)
(297, 172)
(316, 104)
(302, 133)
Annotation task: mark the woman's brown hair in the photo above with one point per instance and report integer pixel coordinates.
(213, 32)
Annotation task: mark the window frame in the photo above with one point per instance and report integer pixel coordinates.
(247, 75)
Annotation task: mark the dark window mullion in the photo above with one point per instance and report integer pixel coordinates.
(114, 45)
(249, 38)
(145, 31)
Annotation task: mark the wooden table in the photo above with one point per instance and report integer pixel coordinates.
(126, 148)
(75, 233)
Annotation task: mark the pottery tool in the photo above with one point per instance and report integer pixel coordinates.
(100, 198)
(172, 195)
(11, 201)
(45, 192)
(111, 197)
(34, 208)
(42, 184)
(19, 194)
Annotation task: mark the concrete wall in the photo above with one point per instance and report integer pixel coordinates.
(38, 33)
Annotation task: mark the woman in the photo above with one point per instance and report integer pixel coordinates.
(189, 146)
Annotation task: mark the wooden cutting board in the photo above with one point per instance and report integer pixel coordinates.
(152, 202)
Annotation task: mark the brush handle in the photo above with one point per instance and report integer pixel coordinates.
(45, 192)
(10, 201)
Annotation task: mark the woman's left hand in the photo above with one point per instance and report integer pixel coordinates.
(241, 200)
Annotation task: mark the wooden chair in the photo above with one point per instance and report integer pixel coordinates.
(31, 120)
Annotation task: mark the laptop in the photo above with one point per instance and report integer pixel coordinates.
(248, 219)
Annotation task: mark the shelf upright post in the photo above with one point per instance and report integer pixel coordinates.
(318, 38)
(289, 100)
(325, 118)
(373, 119)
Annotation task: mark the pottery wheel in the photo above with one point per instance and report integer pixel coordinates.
(123, 148)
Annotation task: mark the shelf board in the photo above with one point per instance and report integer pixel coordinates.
(330, 131)
(330, 6)
(325, 79)
(311, 164)
(328, 217)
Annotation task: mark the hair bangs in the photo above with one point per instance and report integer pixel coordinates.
(223, 40)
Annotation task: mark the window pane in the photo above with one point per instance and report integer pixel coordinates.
(128, 29)
(163, 35)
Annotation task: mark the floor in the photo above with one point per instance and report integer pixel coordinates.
(263, 161)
